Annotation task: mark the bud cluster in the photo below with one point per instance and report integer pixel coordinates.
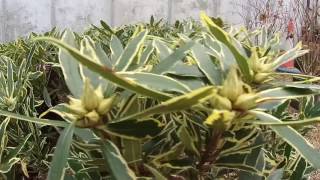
(89, 110)
(262, 68)
(234, 96)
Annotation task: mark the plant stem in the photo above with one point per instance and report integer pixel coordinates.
(211, 152)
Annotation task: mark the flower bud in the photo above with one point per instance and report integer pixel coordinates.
(261, 77)
(232, 86)
(246, 101)
(92, 117)
(77, 110)
(74, 102)
(105, 105)
(90, 99)
(220, 116)
(99, 93)
(219, 102)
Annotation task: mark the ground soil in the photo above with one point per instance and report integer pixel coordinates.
(314, 137)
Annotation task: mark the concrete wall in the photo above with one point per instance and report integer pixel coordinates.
(20, 17)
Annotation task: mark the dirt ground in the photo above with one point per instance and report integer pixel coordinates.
(314, 137)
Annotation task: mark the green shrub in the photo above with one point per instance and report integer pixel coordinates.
(194, 102)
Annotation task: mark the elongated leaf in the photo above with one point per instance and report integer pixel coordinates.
(171, 60)
(106, 27)
(14, 152)
(102, 56)
(70, 67)
(10, 80)
(135, 129)
(5, 167)
(157, 175)
(11, 158)
(106, 72)
(206, 65)
(61, 154)
(284, 93)
(222, 36)
(45, 122)
(177, 103)
(156, 82)
(286, 123)
(116, 49)
(187, 139)
(132, 150)
(126, 58)
(163, 49)
(292, 137)
(146, 54)
(290, 55)
(117, 166)
(185, 70)
(276, 175)
(3, 134)
(87, 49)
(313, 87)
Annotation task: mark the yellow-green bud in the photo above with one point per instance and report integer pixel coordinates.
(261, 77)
(217, 116)
(219, 102)
(90, 99)
(232, 86)
(92, 117)
(74, 102)
(78, 110)
(99, 93)
(246, 101)
(105, 105)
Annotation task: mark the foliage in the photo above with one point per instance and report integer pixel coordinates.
(155, 101)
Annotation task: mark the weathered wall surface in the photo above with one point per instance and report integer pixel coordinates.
(20, 17)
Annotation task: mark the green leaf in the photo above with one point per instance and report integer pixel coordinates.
(106, 72)
(102, 56)
(292, 137)
(171, 60)
(45, 122)
(87, 49)
(117, 166)
(61, 154)
(116, 48)
(70, 67)
(126, 58)
(284, 93)
(163, 50)
(106, 27)
(145, 55)
(157, 175)
(4, 168)
(300, 169)
(185, 70)
(132, 151)
(289, 55)
(222, 36)
(236, 161)
(286, 123)
(206, 65)
(177, 103)
(156, 82)
(11, 158)
(276, 175)
(135, 129)
(10, 80)
(187, 140)
(12, 153)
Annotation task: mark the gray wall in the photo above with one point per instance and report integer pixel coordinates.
(20, 17)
